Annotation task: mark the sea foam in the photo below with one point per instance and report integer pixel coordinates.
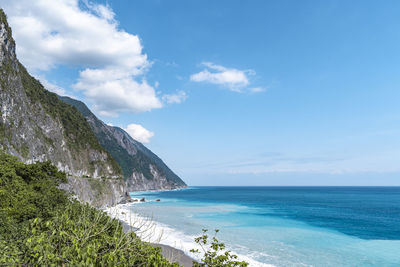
(149, 230)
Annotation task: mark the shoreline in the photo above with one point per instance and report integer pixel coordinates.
(170, 253)
(172, 241)
(153, 233)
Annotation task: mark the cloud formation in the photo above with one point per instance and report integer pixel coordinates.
(113, 91)
(83, 33)
(139, 133)
(177, 98)
(233, 79)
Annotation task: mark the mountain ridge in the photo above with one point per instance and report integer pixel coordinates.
(142, 169)
(36, 125)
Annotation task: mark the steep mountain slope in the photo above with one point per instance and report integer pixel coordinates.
(36, 126)
(142, 169)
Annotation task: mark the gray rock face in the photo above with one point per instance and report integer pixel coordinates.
(97, 192)
(143, 170)
(102, 162)
(36, 126)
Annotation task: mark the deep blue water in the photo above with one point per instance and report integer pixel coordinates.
(365, 212)
(291, 226)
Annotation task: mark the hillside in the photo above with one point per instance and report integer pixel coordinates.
(142, 169)
(102, 162)
(41, 226)
(36, 126)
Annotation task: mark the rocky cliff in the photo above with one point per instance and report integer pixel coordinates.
(103, 163)
(36, 126)
(142, 169)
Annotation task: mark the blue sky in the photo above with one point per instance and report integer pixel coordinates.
(232, 92)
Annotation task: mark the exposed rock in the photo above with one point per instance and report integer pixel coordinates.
(143, 170)
(36, 126)
(97, 192)
(102, 162)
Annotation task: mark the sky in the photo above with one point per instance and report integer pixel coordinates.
(231, 92)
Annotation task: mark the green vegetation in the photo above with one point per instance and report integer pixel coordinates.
(76, 129)
(3, 133)
(41, 226)
(214, 253)
(139, 162)
(24, 150)
(129, 163)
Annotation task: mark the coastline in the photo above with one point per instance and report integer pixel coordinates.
(175, 244)
(153, 233)
(170, 253)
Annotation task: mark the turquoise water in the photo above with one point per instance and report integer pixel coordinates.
(289, 226)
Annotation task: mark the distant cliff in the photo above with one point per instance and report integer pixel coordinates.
(142, 169)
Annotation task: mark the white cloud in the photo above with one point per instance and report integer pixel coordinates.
(231, 78)
(255, 90)
(139, 133)
(84, 34)
(177, 98)
(113, 91)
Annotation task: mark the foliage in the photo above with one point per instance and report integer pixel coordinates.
(139, 162)
(82, 235)
(76, 129)
(41, 226)
(214, 254)
(29, 190)
(129, 163)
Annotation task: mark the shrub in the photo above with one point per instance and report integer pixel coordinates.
(82, 235)
(41, 226)
(214, 253)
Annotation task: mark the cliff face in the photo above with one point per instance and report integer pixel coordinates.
(142, 169)
(102, 162)
(36, 126)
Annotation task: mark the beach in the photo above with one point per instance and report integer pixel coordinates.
(153, 234)
(168, 252)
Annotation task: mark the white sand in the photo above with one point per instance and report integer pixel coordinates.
(152, 231)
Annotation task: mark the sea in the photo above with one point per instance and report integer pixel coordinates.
(283, 226)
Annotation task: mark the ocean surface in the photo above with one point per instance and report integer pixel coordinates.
(285, 226)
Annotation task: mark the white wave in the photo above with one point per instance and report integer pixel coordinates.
(152, 231)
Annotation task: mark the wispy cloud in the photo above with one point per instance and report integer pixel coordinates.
(234, 79)
(312, 164)
(176, 98)
(257, 90)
